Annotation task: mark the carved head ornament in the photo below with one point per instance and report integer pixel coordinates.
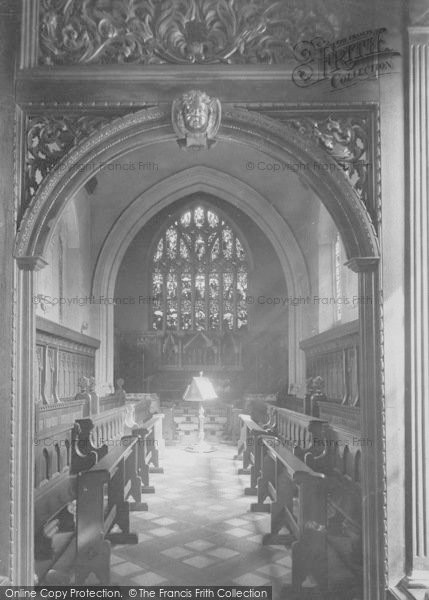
(196, 119)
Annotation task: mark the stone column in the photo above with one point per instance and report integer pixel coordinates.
(417, 441)
(9, 26)
(105, 353)
(24, 420)
(372, 418)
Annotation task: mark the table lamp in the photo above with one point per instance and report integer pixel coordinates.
(200, 390)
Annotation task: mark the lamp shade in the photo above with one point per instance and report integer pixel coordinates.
(200, 390)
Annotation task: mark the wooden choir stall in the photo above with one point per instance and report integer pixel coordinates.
(305, 470)
(93, 462)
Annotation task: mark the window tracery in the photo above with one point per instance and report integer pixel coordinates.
(199, 274)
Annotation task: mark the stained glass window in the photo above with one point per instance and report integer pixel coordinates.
(199, 274)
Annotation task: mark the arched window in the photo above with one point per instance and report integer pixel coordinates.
(199, 274)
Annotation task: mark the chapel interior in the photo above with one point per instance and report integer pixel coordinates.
(214, 233)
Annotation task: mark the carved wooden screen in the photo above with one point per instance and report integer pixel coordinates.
(199, 274)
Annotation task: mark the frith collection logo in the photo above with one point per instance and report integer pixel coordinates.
(343, 62)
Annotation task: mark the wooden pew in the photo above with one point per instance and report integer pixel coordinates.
(111, 425)
(55, 490)
(148, 440)
(301, 432)
(56, 493)
(341, 463)
(298, 501)
(250, 438)
(330, 445)
(235, 425)
(54, 524)
(84, 453)
(99, 499)
(102, 494)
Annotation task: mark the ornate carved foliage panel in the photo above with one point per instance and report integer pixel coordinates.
(158, 32)
(345, 139)
(347, 135)
(49, 138)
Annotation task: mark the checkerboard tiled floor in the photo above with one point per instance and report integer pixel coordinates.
(199, 529)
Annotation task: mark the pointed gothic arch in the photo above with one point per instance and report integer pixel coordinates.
(226, 187)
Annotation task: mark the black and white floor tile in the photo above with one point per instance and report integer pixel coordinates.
(199, 529)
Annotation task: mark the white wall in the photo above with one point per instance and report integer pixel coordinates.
(65, 283)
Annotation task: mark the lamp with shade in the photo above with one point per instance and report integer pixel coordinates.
(200, 390)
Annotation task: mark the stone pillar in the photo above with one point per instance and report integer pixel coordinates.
(9, 26)
(24, 420)
(372, 417)
(298, 330)
(105, 353)
(417, 441)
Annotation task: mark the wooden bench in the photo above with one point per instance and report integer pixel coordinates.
(111, 425)
(232, 425)
(102, 494)
(149, 435)
(56, 495)
(55, 490)
(84, 452)
(250, 438)
(341, 463)
(302, 432)
(54, 523)
(298, 501)
(328, 446)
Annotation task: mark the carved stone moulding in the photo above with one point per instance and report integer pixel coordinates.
(154, 32)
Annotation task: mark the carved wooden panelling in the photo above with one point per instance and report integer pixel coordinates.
(346, 140)
(333, 355)
(51, 416)
(48, 139)
(345, 137)
(194, 350)
(62, 357)
(179, 32)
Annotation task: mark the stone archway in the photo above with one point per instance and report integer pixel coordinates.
(280, 143)
(230, 189)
